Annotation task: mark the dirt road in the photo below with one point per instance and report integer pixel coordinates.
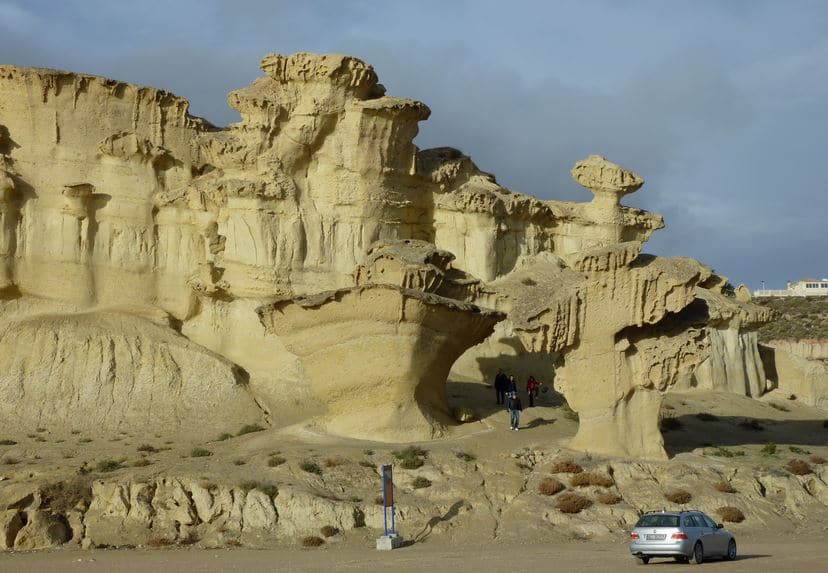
(757, 555)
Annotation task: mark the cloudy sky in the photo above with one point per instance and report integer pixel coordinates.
(721, 106)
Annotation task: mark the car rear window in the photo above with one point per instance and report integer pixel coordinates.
(658, 520)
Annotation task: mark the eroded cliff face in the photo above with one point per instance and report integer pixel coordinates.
(313, 250)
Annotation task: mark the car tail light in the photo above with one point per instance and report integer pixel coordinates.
(679, 536)
(633, 536)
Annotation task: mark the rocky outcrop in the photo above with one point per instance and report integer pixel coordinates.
(799, 369)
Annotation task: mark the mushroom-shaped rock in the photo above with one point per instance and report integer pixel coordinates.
(378, 355)
(608, 181)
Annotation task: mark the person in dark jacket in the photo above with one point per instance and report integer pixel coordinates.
(515, 407)
(500, 384)
(532, 389)
(511, 387)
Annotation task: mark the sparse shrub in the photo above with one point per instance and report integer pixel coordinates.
(269, 489)
(798, 450)
(679, 496)
(411, 457)
(239, 462)
(368, 452)
(275, 461)
(311, 467)
(815, 459)
(224, 436)
(608, 498)
(420, 482)
(368, 464)
(779, 407)
(752, 425)
(725, 453)
(707, 417)
(731, 514)
(147, 448)
(200, 453)
(572, 503)
(550, 486)
(160, 542)
(329, 531)
(768, 449)
(143, 462)
(84, 440)
(108, 466)
(589, 478)
(565, 467)
(799, 467)
(65, 495)
(334, 461)
(7, 442)
(724, 487)
(312, 541)
(249, 429)
(670, 424)
(465, 456)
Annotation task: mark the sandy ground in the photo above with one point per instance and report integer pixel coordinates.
(757, 555)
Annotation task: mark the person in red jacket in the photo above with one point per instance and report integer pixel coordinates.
(532, 389)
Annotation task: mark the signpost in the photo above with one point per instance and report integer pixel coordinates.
(390, 539)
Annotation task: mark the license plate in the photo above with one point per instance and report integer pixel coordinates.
(659, 537)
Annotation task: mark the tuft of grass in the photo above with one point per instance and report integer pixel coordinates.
(267, 488)
(62, 496)
(7, 442)
(768, 449)
(799, 467)
(798, 450)
(106, 466)
(724, 487)
(465, 456)
(200, 453)
(420, 482)
(815, 459)
(679, 496)
(311, 467)
(565, 467)
(752, 425)
(411, 457)
(275, 461)
(312, 541)
(670, 424)
(725, 453)
(589, 478)
(608, 498)
(550, 486)
(223, 437)
(731, 514)
(147, 448)
(572, 503)
(334, 461)
(707, 417)
(249, 429)
(329, 530)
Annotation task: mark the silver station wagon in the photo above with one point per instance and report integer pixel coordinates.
(682, 535)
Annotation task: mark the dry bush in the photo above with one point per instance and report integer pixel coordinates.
(160, 542)
(7, 442)
(550, 486)
(147, 448)
(590, 478)
(565, 467)
(724, 487)
(420, 482)
(65, 495)
(312, 541)
(815, 459)
(572, 503)
(731, 514)
(608, 498)
(799, 467)
(311, 467)
(275, 461)
(334, 461)
(329, 531)
(678, 496)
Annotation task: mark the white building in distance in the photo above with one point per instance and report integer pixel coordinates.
(805, 287)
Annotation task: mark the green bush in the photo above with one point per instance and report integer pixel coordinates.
(411, 457)
(108, 466)
(768, 449)
(798, 450)
(311, 467)
(269, 489)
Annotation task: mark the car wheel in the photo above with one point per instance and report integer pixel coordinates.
(698, 553)
(642, 559)
(731, 550)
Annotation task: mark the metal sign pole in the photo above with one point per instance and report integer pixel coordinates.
(390, 539)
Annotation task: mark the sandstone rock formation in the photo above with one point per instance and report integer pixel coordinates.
(160, 269)
(800, 369)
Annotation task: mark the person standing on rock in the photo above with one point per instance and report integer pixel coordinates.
(515, 407)
(500, 384)
(532, 388)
